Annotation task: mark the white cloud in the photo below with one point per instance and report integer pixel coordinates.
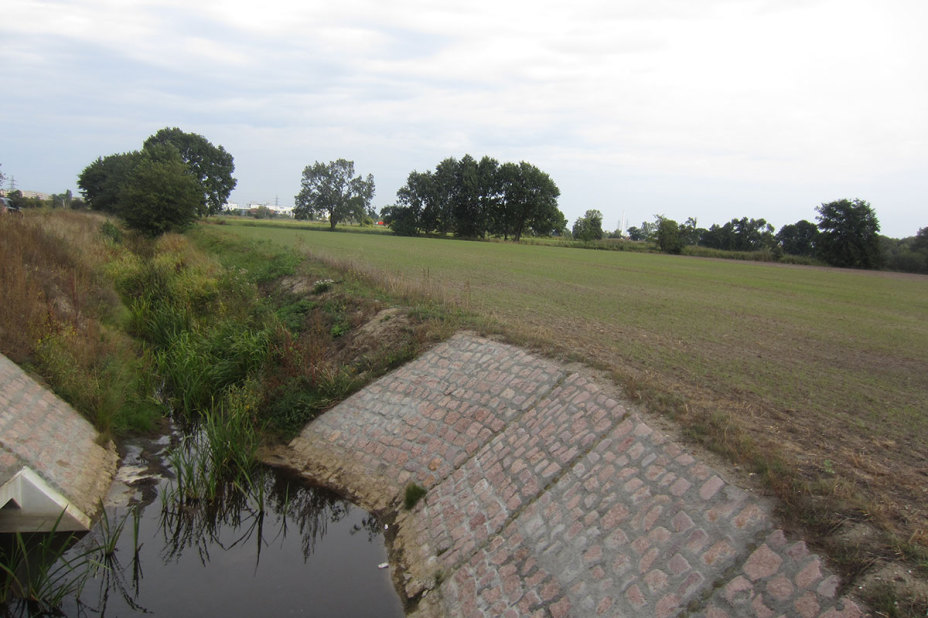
(711, 95)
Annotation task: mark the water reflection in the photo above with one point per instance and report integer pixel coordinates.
(205, 526)
(276, 547)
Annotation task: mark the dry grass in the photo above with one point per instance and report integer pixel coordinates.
(59, 315)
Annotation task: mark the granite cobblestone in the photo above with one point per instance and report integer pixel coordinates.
(41, 431)
(547, 497)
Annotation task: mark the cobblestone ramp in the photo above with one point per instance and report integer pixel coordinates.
(40, 431)
(546, 497)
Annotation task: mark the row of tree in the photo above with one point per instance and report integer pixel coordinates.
(474, 199)
(847, 235)
(466, 198)
(175, 178)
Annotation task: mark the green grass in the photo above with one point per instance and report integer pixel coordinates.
(791, 363)
(838, 341)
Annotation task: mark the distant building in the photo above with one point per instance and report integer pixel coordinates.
(253, 208)
(28, 194)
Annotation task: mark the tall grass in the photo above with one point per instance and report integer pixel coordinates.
(219, 451)
(207, 328)
(61, 317)
(38, 571)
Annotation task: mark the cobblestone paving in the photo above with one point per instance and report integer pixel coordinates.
(39, 430)
(547, 497)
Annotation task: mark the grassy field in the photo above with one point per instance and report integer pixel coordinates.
(815, 379)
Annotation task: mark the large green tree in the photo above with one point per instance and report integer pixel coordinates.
(211, 165)
(332, 189)
(102, 182)
(849, 234)
(647, 231)
(528, 202)
(739, 235)
(589, 226)
(150, 188)
(471, 198)
(476, 196)
(469, 219)
(798, 238)
(669, 239)
(415, 210)
(690, 231)
(921, 240)
(159, 194)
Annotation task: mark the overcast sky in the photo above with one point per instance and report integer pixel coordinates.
(711, 109)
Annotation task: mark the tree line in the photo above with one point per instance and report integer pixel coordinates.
(846, 235)
(465, 198)
(177, 177)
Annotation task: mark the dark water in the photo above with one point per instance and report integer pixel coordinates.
(309, 553)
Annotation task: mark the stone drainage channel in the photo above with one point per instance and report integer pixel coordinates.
(548, 497)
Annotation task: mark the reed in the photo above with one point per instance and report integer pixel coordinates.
(39, 571)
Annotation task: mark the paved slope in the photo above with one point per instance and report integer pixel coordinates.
(39, 430)
(548, 497)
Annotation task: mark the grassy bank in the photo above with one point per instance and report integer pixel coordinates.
(130, 329)
(63, 319)
(815, 380)
(237, 341)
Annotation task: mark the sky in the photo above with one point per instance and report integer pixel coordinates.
(712, 109)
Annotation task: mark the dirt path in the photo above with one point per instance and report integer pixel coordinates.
(547, 496)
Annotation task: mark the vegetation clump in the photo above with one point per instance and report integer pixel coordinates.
(412, 495)
(175, 178)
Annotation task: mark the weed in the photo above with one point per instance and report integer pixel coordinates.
(38, 571)
(413, 494)
(61, 316)
(322, 285)
(293, 313)
(111, 231)
(884, 600)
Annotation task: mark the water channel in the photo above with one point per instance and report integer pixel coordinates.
(308, 552)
